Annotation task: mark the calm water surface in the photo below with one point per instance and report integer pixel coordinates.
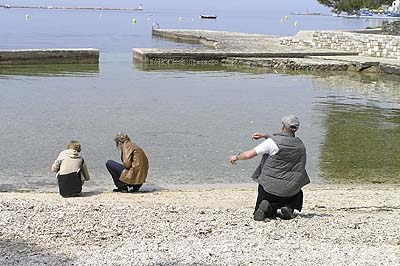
(188, 121)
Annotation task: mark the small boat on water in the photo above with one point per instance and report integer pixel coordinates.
(208, 16)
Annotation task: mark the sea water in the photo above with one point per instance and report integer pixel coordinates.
(187, 120)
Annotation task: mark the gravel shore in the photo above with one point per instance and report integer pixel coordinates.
(340, 225)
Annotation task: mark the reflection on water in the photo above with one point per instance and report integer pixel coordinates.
(49, 70)
(383, 89)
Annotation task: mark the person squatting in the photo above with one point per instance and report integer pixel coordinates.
(281, 173)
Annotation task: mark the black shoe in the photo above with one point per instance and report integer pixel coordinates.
(286, 213)
(133, 189)
(262, 212)
(120, 189)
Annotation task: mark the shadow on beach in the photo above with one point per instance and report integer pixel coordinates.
(15, 252)
(313, 215)
(89, 194)
(150, 188)
(87, 191)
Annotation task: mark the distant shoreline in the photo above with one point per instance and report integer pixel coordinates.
(74, 8)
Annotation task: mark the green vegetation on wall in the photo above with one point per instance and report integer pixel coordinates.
(362, 145)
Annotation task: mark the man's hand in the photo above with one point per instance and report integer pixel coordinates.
(232, 159)
(258, 135)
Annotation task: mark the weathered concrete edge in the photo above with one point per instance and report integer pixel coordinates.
(294, 64)
(51, 56)
(184, 37)
(168, 56)
(288, 62)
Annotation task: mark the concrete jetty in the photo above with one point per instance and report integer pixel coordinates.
(49, 56)
(257, 50)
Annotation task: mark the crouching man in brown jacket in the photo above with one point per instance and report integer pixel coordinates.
(131, 174)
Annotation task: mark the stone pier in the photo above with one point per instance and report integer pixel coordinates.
(49, 56)
(258, 50)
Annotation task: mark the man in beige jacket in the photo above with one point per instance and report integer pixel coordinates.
(131, 174)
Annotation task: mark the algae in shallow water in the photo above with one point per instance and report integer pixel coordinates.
(362, 144)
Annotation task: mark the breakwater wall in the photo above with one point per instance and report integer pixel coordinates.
(50, 56)
(190, 57)
(374, 45)
(233, 49)
(219, 46)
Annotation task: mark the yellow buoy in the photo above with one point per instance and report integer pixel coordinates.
(180, 19)
(286, 17)
(133, 21)
(27, 17)
(295, 23)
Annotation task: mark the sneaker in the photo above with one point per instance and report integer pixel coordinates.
(120, 189)
(131, 189)
(286, 213)
(263, 209)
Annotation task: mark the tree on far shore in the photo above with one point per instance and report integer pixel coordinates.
(353, 6)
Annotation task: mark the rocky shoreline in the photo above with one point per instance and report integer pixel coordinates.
(340, 224)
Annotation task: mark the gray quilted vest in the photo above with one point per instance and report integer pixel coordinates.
(284, 173)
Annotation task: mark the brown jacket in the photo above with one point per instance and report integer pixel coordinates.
(135, 162)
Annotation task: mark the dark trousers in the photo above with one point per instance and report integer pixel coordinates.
(277, 202)
(115, 169)
(70, 184)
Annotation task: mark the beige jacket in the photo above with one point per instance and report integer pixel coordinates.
(69, 161)
(135, 162)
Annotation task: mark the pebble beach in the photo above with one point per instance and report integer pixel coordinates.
(339, 225)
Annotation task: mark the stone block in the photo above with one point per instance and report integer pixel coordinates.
(49, 56)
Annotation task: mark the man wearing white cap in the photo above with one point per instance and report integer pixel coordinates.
(281, 173)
